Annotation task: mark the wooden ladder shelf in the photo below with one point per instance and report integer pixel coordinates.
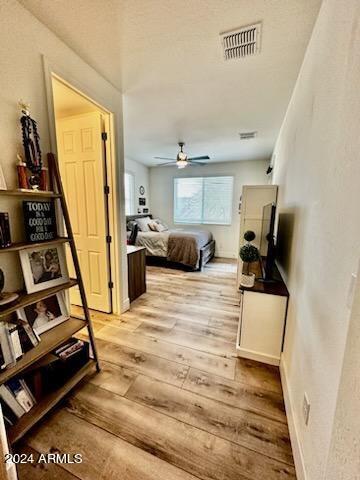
(51, 339)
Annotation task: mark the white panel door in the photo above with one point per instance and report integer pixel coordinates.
(81, 160)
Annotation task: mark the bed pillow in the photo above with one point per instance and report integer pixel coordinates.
(133, 234)
(153, 226)
(130, 225)
(161, 227)
(143, 224)
(164, 227)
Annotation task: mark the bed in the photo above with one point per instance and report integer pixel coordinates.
(189, 247)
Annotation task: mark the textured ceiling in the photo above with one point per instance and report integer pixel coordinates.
(166, 57)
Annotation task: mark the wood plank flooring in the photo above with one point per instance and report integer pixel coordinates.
(173, 401)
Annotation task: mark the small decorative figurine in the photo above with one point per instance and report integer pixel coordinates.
(21, 171)
(31, 146)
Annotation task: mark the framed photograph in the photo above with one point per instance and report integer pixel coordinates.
(142, 201)
(46, 313)
(2, 180)
(43, 267)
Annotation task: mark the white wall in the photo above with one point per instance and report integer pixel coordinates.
(141, 174)
(226, 236)
(318, 169)
(344, 455)
(23, 41)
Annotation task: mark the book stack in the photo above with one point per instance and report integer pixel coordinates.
(15, 340)
(70, 348)
(19, 395)
(16, 400)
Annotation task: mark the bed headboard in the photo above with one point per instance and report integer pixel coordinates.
(131, 218)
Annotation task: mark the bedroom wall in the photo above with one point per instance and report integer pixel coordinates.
(23, 41)
(142, 175)
(317, 167)
(226, 236)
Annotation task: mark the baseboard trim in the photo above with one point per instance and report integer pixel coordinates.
(125, 306)
(221, 254)
(294, 436)
(258, 357)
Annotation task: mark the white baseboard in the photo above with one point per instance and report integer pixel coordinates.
(258, 357)
(223, 254)
(125, 305)
(294, 436)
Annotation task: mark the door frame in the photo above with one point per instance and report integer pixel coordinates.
(118, 304)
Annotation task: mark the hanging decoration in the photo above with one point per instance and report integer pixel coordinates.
(31, 145)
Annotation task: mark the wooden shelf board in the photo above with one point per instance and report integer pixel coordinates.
(47, 403)
(49, 341)
(28, 299)
(29, 193)
(23, 245)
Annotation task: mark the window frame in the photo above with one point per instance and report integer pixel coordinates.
(132, 192)
(202, 222)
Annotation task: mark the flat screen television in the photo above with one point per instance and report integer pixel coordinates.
(267, 241)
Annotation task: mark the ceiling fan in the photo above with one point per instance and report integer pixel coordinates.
(182, 160)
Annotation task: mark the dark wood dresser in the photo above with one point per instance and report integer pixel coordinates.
(136, 271)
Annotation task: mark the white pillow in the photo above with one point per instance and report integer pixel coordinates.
(153, 226)
(143, 224)
(157, 227)
(161, 227)
(163, 224)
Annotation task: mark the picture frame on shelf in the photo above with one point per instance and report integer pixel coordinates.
(5, 235)
(45, 314)
(43, 267)
(3, 185)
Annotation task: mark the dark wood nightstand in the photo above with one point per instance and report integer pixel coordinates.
(136, 271)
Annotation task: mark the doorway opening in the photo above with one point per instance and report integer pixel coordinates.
(84, 139)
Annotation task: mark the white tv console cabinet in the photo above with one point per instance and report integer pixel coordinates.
(263, 310)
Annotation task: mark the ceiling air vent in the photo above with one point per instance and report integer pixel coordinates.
(247, 135)
(242, 42)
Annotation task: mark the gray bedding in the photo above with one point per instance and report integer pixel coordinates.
(178, 245)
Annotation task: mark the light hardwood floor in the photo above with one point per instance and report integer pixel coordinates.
(172, 402)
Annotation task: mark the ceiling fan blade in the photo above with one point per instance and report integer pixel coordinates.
(165, 158)
(204, 157)
(196, 164)
(167, 164)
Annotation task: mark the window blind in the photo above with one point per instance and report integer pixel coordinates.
(203, 200)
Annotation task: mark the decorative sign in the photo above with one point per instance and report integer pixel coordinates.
(40, 221)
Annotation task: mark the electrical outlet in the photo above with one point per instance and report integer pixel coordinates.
(306, 409)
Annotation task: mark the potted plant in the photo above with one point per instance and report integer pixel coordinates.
(248, 254)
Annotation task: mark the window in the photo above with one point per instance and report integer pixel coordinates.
(129, 181)
(203, 200)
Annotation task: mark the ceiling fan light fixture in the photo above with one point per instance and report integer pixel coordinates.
(181, 163)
